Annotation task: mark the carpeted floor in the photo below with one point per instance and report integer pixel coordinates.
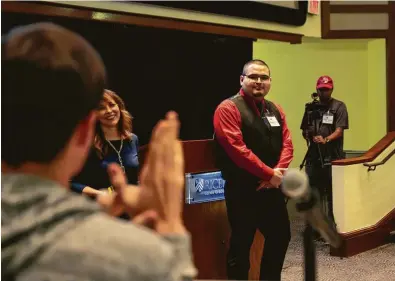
(374, 265)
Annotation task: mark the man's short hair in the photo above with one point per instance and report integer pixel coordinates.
(51, 80)
(256, 61)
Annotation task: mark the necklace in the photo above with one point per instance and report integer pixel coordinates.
(118, 153)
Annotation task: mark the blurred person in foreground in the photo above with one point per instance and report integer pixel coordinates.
(46, 229)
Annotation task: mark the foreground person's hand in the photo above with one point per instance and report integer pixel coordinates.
(163, 173)
(162, 181)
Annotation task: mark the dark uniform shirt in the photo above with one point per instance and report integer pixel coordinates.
(334, 149)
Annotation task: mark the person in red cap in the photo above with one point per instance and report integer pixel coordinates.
(324, 88)
(254, 146)
(323, 127)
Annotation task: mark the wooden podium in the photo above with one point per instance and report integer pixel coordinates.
(207, 221)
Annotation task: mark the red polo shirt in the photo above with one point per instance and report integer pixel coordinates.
(227, 128)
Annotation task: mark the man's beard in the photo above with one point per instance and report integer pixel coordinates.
(259, 94)
(325, 99)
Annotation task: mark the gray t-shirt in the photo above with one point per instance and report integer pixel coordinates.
(49, 233)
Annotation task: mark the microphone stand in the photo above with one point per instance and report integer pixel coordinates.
(309, 254)
(310, 268)
(295, 184)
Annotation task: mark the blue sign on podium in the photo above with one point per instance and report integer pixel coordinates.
(204, 187)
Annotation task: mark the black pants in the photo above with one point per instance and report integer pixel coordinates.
(249, 210)
(320, 178)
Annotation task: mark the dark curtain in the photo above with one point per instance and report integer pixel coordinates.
(155, 70)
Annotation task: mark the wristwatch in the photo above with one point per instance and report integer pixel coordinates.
(326, 140)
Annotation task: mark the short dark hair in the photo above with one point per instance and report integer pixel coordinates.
(51, 79)
(256, 61)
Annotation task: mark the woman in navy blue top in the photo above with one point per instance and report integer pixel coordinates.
(113, 142)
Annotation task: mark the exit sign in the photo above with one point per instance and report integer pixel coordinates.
(314, 7)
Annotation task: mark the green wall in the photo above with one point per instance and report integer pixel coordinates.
(358, 70)
(377, 88)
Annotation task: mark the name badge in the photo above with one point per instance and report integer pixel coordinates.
(273, 121)
(327, 118)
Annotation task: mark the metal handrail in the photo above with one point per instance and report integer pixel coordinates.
(372, 166)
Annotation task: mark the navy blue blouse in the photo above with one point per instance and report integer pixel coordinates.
(94, 173)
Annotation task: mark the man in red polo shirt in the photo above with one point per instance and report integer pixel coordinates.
(254, 148)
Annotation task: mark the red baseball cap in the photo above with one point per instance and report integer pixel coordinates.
(325, 82)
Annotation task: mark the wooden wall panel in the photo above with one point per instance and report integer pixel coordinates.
(142, 20)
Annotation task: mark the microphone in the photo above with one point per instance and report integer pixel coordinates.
(296, 186)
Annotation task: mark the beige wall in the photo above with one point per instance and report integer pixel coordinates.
(312, 27)
(361, 198)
